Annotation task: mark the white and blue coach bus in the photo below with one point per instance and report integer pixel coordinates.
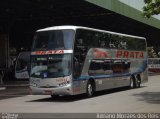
(71, 60)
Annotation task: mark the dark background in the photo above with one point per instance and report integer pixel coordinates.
(19, 19)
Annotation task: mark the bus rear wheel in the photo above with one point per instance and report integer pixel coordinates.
(138, 81)
(131, 82)
(90, 89)
(135, 82)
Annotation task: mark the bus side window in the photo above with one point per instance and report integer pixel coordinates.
(96, 67)
(100, 67)
(104, 40)
(107, 67)
(125, 66)
(116, 66)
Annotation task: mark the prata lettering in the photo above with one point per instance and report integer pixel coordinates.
(49, 52)
(129, 54)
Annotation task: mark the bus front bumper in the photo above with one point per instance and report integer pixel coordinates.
(66, 90)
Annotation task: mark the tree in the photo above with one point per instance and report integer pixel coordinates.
(152, 7)
(151, 52)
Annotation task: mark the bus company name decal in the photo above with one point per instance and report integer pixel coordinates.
(129, 54)
(101, 53)
(48, 52)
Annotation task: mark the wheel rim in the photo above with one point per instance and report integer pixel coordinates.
(90, 90)
(131, 83)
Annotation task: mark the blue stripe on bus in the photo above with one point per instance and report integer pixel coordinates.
(83, 77)
(102, 76)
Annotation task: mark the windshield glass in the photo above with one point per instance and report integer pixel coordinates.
(53, 40)
(23, 62)
(51, 66)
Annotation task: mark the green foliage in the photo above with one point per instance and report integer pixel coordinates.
(152, 7)
(151, 52)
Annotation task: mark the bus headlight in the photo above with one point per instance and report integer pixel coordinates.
(33, 84)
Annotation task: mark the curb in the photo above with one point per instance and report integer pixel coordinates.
(14, 85)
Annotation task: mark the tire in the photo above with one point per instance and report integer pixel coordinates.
(135, 82)
(132, 82)
(90, 89)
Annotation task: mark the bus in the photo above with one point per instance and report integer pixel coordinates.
(22, 66)
(154, 65)
(72, 60)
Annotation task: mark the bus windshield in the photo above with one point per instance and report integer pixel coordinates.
(51, 66)
(53, 40)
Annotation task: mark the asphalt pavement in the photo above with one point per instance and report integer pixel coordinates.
(12, 89)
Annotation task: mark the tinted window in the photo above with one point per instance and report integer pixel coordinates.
(116, 66)
(23, 61)
(100, 67)
(127, 43)
(120, 66)
(104, 40)
(135, 44)
(92, 39)
(51, 40)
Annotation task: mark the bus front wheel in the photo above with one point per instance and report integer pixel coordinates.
(90, 89)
